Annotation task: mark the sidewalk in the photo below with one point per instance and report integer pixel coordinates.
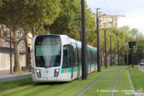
(12, 77)
(141, 68)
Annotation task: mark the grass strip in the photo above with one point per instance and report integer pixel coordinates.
(104, 86)
(115, 85)
(62, 89)
(16, 83)
(137, 77)
(93, 83)
(123, 87)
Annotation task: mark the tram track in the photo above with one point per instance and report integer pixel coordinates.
(94, 82)
(116, 83)
(132, 87)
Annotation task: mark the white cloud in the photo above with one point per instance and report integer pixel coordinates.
(134, 19)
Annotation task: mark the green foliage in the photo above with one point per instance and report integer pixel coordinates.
(139, 48)
(29, 13)
(28, 16)
(68, 20)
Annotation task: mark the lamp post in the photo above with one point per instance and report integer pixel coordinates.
(111, 23)
(98, 44)
(105, 46)
(118, 50)
(127, 54)
(132, 54)
(10, 53)
(10, 43)
(110, 50)
(84, 43)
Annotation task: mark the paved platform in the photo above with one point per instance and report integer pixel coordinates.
(141, 68)
(12, 77)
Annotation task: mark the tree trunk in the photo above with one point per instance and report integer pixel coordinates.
(33, 32)
(16, 57)
(115, 59)
(27, 53)
(123, 60)
(101, 57)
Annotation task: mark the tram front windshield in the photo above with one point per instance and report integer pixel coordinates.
(47, 51)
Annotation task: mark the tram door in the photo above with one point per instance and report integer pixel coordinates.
(68, 58)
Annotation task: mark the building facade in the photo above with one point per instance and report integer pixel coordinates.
(5, 51)
(6, 32)
(106, 21)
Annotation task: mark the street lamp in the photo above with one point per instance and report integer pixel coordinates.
(98, 43)
(84, 43)
(105, 63)
(118, 50)
(110, 49)
(111, 23)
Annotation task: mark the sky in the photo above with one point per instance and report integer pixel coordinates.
(131, 10)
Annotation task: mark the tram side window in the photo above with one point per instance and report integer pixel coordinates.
(66, 56)
(77, 51)
(76, 56)
(72, 56)
(95, 58)
(88, 57)
(79, 54)
(91, 62)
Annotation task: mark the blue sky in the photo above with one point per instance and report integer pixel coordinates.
(133, 10)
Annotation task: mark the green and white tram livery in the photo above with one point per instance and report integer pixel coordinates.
(57, 58)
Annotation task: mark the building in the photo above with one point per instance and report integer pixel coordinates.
(6, 44)
(5, 51)
(107, 20)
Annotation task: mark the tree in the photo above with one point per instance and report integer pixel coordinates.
(39, 14)
(68, 21)
(125, 29)
(26, 15)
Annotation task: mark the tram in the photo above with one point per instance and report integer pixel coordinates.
(57, 58)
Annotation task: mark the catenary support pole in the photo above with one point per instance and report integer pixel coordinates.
(132, 54)
(84, 43)
(118, 51)
(127, 56)
(110, 50)
(105, 63)
(10, 48)
(98, 43)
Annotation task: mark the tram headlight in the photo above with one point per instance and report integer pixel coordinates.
(56, 73)
(38, 73)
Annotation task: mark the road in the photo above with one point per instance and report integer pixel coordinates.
(9, 77)
(141, 68)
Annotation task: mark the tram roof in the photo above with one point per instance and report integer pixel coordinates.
(65, 36)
